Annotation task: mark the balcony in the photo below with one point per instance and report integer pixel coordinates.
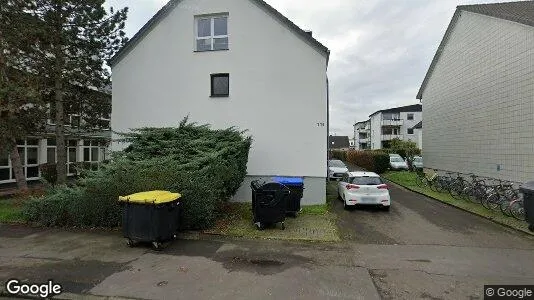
(364, 140)
(389, 137)
(393, 122)
(363, 129)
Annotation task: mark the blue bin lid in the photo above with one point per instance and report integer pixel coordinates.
(289, 180)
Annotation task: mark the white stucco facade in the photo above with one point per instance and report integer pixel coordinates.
(479, 100)
(401, 124)
(278, 88)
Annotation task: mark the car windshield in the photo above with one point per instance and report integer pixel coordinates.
(396, 159)
(336, 164)
(366, 180)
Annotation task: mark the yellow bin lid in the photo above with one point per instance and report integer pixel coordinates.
(151, 197)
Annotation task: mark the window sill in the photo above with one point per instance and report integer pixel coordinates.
(219, 96)
(201, 51)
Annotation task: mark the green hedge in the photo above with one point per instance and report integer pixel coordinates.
(374, 161)
(206, 166)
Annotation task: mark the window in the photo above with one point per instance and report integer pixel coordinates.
(211, 33)
(410, 117)
(410, 130)
(365, 180)
(220, 85)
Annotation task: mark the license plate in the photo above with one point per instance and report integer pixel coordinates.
(368, 199)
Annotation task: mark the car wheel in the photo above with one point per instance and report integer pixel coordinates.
(345, 206)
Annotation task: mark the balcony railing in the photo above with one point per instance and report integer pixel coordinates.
(389, 137)
(393, 122)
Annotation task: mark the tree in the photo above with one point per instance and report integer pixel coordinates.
(407, 149)
(78, 37)
(22, 111)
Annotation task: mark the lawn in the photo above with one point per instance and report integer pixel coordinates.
(407, 180)
(313, 223)
(10, 211)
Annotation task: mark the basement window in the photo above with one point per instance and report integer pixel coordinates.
(220, 85)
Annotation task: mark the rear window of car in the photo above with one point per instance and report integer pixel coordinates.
(366, 180)
(396, 159)
(336, 164)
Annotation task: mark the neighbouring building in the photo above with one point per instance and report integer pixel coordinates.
(418, 131)
(352, 142)
(362, 135)
(478, 93)
(393, 123)
(83, 144)
(231, 63)
(338, 142)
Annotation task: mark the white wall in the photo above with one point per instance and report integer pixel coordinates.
(479, 102)
(277, 86)
(417, 117)
(376, 131)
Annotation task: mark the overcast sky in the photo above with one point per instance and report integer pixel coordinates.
(380, 49)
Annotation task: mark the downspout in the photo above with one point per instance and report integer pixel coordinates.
(327, 123)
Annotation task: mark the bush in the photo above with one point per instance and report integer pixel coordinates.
(49, 173)
(339, 154)
(205, 166)
(372, 160)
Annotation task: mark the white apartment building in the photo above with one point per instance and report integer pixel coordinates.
(388, 124)
(362, 133)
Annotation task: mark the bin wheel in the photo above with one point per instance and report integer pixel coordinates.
(283, 226)
(157, 245)
(260, 226)
(130, 243)
(531, 227)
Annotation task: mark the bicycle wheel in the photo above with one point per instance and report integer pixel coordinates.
(493, 201)
(440, 185)
(477, 196)
(456, 189)
(505, 207)
(517, 210)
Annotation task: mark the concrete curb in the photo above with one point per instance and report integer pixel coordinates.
(461, 208)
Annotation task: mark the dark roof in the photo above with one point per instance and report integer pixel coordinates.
(339, 142)
(165, 10)
(408, 108)
(518, 11)
(418, 125)
(360, 122)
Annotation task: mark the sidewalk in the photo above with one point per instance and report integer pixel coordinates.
(101, 266)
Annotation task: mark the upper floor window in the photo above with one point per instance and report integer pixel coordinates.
(410, 117)
(211, 33)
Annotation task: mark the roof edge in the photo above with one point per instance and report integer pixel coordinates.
(171, 4)
(437, 55)
(387, 109)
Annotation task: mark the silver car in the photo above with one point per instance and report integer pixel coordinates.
(336, 169)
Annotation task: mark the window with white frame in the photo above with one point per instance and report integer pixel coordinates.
(71, 153)
(29, 157)
(94, 151)
(211, 32)
(51, 153)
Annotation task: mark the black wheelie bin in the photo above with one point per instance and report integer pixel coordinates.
(296, 186)
(151, 217)
(269, 202)
(528, 203)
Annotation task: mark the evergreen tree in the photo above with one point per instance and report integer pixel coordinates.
(22, 111)
(78, 37)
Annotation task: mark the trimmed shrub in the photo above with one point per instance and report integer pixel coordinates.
(49, 173)
(339, 154)
(205, 166)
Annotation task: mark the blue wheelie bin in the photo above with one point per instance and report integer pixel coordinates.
(296, 187)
